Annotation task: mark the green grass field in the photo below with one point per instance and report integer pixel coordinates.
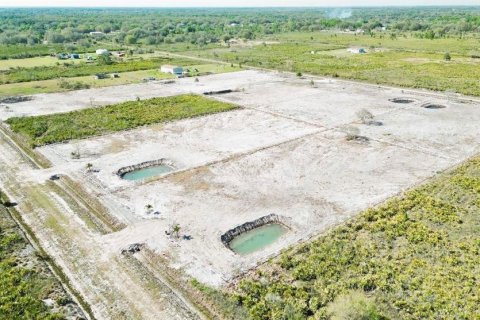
(33, 62)
(48, 61)
(415, 257)
(466, 46)
(405, 62)
(41, 130)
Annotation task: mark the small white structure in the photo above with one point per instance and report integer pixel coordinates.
(102, 51)
(96, 33)
(176, 70)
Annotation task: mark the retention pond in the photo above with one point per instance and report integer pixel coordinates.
(141, 174)
(257, 239)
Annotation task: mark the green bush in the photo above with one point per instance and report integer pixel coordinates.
(76, 85)
(21, 289)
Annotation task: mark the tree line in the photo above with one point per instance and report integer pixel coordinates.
(203, 26)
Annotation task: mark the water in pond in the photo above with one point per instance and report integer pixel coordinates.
(257, 238)
(145, 173)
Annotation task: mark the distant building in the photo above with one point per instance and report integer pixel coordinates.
(102, 51)
(175, 70)
(74, 56)
(96, 33)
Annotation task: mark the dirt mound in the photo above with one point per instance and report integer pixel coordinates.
(15, 99)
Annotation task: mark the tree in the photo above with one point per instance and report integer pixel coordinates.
(130, 39)
(89, 167)
(104, 59)
(430, 35)
(247, 35)
(176, 230)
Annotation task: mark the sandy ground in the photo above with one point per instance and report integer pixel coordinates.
(284, 153)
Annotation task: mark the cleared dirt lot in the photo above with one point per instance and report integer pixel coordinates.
(80, 99)
(284, 153)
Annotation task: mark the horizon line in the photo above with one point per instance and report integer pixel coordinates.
(239, 7)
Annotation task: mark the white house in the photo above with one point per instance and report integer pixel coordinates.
(96, 33)
(176, 70)
(102, 51)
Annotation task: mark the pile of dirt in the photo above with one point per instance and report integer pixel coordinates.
(402, 100)
(433, 106)
(15, 99)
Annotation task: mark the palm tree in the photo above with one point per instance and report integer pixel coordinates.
(176, 229)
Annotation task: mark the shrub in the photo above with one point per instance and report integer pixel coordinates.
(354, 305)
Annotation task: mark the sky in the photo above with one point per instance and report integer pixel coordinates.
(229, 3)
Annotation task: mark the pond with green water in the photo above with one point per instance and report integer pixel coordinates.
(145, 173)
(257, 238)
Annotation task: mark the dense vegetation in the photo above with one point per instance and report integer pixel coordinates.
(415, 257)
(21, 287)
(30, 28)
(53, 128)
(83, 69)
